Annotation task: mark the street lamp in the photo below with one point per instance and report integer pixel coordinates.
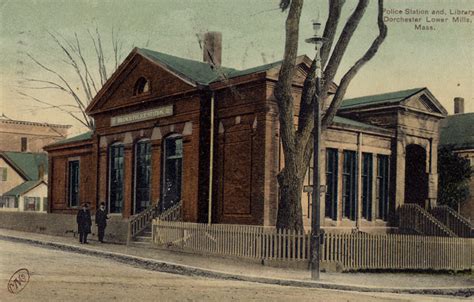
(318, 41)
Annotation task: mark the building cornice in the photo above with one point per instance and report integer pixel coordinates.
(27, 123)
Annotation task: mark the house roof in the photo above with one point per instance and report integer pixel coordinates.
(81, 137)
(23, 188)
(352, 123)
(199, 72)
(390, 97)
(202, 72)
(27, 164)
(457, 131)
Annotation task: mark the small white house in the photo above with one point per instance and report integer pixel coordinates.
(23, 184)
(29, 196)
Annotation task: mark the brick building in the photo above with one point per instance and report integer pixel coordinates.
(153, 139)
(24, 136)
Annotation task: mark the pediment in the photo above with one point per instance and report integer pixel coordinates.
(121, 88)
(303, 64)
(424, 101)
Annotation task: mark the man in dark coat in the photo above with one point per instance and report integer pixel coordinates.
(101, 221)
(84, 223)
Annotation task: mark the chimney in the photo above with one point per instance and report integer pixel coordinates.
(458, 105)
(212, 48)
(41, 172)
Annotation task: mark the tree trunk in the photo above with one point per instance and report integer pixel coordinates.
(290, 214)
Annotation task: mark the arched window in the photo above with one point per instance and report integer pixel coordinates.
(116, 168)
(141, 86)
(142, 175)
(172, 171)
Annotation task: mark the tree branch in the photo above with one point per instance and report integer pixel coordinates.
(83, 122)
(283, 89)
(335, 8)
(341, 45)
(347, 78)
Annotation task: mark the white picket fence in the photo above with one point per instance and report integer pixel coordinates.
(357, 251)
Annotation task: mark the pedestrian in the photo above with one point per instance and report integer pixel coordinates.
(84, 223)
(101, 221)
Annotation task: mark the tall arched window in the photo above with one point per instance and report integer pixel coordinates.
(142, 175)
(116, 161)
(172, 171)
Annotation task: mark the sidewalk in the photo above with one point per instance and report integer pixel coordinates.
(224, 268)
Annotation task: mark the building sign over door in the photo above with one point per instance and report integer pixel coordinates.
(141, 115)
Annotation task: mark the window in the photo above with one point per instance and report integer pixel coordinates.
(32, 203)
(172, 171)
(367, 166)
(24, 144)
(142, 175)
(73, 183)
(331, 183)
(3, 174)
(141, 86)
(8, 202)
(116, 178)
(382, 186)
(349, 185)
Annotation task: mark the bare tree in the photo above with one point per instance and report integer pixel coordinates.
(297, 139)
(91, 77)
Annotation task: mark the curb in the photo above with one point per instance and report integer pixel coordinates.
(180, 269)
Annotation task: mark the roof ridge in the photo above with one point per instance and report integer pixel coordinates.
(390, 92)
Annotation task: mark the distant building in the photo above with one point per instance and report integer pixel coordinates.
(23, 181)
(24, 136)
(457, 132)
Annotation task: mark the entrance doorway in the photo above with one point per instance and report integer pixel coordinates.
(416, 178)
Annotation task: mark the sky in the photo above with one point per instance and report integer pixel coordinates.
(253, 34)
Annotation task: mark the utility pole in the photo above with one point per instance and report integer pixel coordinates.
(318, 40)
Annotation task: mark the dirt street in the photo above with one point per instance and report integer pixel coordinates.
(63, 276)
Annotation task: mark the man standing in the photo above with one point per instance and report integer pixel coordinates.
(101, 221)
(84, 223)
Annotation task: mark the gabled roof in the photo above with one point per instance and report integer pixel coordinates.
(26, 164)
(390, 97)
(23, 188)
(457, 131)
(352, 123)
(202, 72)
(193, 72)
(196, 71)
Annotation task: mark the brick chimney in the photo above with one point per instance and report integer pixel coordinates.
(458, 105)
(212, 48)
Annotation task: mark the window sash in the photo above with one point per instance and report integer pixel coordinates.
(367, 177)
(172, 171)
(142, 175)
(382, 186)
(73, 185)
(116, 185)
(331, 183)
(349, 185)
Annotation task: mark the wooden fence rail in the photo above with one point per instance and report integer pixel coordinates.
(356, 251)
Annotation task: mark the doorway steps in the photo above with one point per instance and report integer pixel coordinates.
(140, 225)
(440, 221)
(144, 237)
(454, 221)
